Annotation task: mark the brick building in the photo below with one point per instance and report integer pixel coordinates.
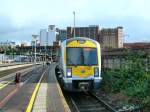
(90, 32)
(107, 37)
(111, 37)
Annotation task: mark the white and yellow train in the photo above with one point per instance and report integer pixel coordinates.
(79, 67)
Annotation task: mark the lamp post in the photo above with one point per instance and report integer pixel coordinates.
(74, 23)
(35, 39)
(45, 52)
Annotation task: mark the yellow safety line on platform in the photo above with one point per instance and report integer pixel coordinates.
(4, 85)
(30, 105)
(66, 107)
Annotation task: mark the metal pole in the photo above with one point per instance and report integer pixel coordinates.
(51, 52)
(5, 56)
(35, 39)
(43, 61)
(45, 53)
(74, 23)
(35, 52)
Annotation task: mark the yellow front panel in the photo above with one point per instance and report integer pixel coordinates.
(76, 43)
(82, 71)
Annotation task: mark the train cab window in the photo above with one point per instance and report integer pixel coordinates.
(82, 56)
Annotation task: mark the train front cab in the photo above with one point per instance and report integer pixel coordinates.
(83, 65)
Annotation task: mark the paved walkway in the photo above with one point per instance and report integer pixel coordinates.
(49, 97)
(41, 99)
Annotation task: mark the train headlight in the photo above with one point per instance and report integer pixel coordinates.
(96, 72)
(69, 72)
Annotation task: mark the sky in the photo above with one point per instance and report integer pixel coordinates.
(19, 19)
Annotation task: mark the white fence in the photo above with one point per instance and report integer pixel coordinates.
(14, 58)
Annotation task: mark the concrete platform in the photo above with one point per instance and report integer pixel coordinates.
(49, 97)
(12, 67)
(16, 100)
(41, 99)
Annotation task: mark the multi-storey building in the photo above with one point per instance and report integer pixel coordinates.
(112, 37)
(90, 32)
(107, 37)
(62, 35)
(51, 35)
(43, 37)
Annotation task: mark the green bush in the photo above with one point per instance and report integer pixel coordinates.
(133, 81)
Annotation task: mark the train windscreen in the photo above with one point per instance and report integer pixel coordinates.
(82, 56)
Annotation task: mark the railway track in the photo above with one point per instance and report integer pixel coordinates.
(88, 102)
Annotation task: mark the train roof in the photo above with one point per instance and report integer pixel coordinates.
(80, 38)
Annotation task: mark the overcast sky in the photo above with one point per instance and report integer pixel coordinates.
(19, 19)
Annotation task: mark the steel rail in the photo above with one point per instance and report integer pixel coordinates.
(103, 102)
